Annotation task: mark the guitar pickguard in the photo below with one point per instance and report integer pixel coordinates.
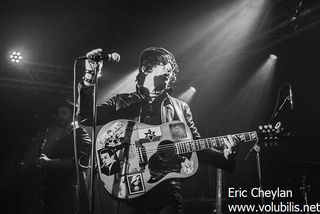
(165, 161)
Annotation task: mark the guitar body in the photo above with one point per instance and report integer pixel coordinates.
(134, 157)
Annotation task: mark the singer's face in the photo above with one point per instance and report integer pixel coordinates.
(159, 77)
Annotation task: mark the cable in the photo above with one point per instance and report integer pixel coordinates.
(74, 124)
(276, 110)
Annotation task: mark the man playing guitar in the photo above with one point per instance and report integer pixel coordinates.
(151, 104)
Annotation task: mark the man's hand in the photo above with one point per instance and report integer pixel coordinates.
(90, 66)
(231, 148)
(43, 161)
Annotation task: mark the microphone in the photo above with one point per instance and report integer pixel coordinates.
(290, 97)
(114, 57)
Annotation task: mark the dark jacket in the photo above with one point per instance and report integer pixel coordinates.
(128, 106)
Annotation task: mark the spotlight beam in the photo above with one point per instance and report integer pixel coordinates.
(253, 94)
(188, 94)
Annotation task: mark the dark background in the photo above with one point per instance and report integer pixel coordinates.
(219, 54)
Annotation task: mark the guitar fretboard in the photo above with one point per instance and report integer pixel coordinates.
(212, 143)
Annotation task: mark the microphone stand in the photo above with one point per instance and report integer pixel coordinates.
(76, 186)
(93, 138)
(305, 189)
(288, 98)
(256, 148)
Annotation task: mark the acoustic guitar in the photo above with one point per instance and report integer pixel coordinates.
(134, 157)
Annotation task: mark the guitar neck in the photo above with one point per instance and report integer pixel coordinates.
(212, 143)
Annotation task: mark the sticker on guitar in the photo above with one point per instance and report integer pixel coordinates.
(135, 183)
(108, 162)
(178, 131)
(188, 166)
(151, 134)
(113, 136)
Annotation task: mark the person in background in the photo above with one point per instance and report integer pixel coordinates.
(57, 163)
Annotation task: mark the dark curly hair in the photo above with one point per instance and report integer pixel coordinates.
(152, 57)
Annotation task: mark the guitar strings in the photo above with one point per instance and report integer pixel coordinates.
(213, 143)
(184, 149)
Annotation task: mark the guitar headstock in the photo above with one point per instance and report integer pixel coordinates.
(269, 135)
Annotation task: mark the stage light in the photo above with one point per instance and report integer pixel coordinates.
(188, 94)
(274, 57)
(15, 57)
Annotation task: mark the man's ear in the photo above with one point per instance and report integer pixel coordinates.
(142, 69)
(140, 77)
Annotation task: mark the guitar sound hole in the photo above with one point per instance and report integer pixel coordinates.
(166, 150)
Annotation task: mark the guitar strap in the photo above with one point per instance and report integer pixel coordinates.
(127, 137)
